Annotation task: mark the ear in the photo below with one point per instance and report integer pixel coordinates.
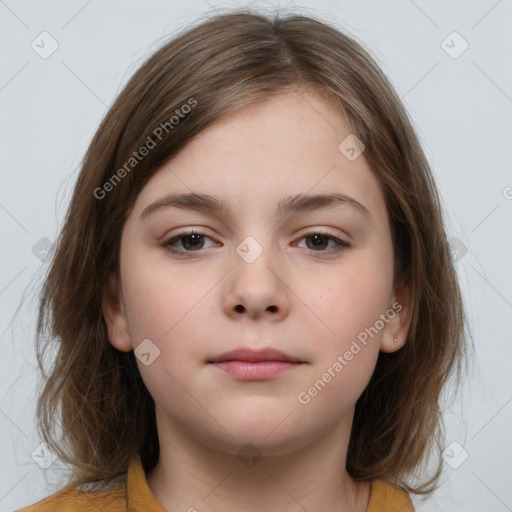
(399, 317)
(115, 317)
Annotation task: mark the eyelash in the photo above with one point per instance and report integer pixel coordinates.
(168, 244)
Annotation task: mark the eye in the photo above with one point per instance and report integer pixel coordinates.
(319, 240)
(190, 241)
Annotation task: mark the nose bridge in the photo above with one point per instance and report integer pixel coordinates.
(257, 259)
(256, 284)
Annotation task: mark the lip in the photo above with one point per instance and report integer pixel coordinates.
(247, 354)
(247, 364)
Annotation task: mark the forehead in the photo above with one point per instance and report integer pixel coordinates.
(285, 145)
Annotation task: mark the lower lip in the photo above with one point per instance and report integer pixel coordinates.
(256, 370)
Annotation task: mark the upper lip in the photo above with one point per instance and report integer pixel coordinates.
(247, 354)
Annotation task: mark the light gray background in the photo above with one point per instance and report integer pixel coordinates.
(461, 107)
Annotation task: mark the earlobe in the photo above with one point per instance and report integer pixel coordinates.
(399, 316)
(115, 317)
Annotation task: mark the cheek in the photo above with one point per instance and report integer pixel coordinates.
(166, 304)
(149, 289)
(352, 297)
(350, 305)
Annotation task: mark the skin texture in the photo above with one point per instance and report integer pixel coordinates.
(306, 301)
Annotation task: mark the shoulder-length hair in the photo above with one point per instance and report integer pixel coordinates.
(222, 64)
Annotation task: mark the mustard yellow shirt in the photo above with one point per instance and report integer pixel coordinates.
(136, 496)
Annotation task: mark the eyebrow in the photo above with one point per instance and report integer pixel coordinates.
(205, 203)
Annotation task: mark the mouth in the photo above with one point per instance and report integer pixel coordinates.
(254, 356)
(250, 365)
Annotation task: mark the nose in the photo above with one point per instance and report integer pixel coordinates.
(257, 289)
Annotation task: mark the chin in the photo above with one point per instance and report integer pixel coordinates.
(269, 435)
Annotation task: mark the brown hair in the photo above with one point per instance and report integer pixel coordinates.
(223, 64)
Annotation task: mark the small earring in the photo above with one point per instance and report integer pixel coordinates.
(396, 341)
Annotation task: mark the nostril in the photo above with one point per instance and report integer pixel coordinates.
(239, 308)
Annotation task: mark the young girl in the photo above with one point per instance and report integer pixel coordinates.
(252, 296)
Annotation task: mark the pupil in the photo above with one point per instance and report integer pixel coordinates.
(194, 237)
(317, 240)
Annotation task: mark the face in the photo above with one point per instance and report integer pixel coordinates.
(313, 282)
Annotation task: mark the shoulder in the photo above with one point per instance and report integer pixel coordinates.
(386, 497)
(73, 500)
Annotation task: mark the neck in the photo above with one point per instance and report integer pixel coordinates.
(191, 476)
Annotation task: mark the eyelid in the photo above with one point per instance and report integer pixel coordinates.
(167, 243)
(341, 243)
(332, 232)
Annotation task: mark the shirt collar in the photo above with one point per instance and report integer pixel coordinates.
(138, 494)
(140, 498)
